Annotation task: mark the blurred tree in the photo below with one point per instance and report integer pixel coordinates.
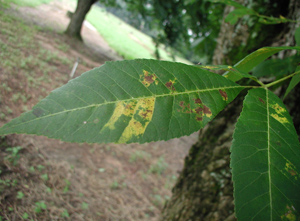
(188, 26)
(77, 18)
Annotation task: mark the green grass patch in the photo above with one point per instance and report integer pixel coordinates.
(28, 3)
(123, 38)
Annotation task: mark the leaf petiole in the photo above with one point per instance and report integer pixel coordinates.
(282, 79)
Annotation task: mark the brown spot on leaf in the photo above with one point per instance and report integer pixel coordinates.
(261, 100)
(147, 78)
(199, 110)
(224, 95)
(170, 85)
(145, 114)
(292, 172)
(198, 101)
(199, 118)
(206, 110)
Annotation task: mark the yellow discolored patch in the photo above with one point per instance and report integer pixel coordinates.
(289, 214)
(119, 110)
(279, 114)
(142, 116)
(278, 109)
(208, 67)
(147, 78)
(280, 119)
(122, 108)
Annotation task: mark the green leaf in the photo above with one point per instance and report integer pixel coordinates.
(233, 16)
(295, 80)
(253, 59)
(129, 101)
(272, 21)
(265, 160)
(228, 68)
(276, 67)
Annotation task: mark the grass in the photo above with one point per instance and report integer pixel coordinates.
(126, 40)
(29, 3)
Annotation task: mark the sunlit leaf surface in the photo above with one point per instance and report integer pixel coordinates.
(129, 101)
(253, 59)
(265, 160)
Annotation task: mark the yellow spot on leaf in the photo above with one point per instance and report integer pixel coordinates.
(289, 214)
(278, 109)
(280, 114)
(208, 67)
(119, 110)
(122, 108)
(142, 116)
(280, 119)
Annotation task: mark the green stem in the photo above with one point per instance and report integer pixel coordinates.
(258, 81)
(282, 79)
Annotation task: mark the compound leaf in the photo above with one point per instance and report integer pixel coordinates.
(265, 160)
(129, 101)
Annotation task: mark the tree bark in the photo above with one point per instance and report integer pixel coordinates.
(75, 25)
(204, 189)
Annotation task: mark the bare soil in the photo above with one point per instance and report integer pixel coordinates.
(67, 181)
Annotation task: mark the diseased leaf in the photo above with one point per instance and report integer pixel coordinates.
(252, 60)
(265, 160)
(129, 101)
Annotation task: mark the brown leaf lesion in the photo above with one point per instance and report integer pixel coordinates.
(200, 110)
(224, 95)
(148, 78)
(171, 85)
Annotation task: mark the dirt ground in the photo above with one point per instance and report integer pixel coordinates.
(47, 179)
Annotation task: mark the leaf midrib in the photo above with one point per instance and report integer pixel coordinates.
(269, 158)
(130, 99)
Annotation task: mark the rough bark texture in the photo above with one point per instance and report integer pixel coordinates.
(204, 190)
(74, 28)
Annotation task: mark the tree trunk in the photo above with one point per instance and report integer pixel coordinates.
(204, 189)
(74, 28)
